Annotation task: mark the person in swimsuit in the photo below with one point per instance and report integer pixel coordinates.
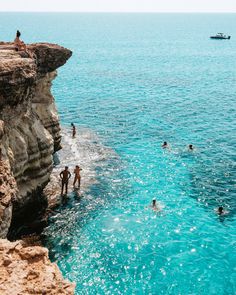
(65, 176)
(77, 175)
(73, 130)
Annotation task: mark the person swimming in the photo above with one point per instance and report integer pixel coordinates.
(165, 145)
(77, 175)
(154, 205)
(190, 147)
(221, 211)
(19, 44)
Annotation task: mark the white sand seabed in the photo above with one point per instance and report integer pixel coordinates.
(84, 150)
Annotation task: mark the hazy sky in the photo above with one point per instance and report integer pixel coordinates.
(120, 5)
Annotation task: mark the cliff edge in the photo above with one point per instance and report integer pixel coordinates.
(29, 136)
(27, 270)
(29, 129)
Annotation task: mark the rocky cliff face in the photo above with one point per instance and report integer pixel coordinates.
(27, 270)
(29, 129)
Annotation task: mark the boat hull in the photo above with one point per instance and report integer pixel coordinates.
(220, 38)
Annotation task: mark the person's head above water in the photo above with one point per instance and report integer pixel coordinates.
(190, 147)
(154, 202)
(18, 33)
(165, 145)
(220, 210)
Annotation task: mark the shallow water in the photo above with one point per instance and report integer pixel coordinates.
(137, 80)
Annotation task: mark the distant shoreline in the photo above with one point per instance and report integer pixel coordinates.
(124, 12)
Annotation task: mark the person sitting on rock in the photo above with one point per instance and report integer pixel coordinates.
(65, 176)
(19, 45)
(77, 175)
(73, 130)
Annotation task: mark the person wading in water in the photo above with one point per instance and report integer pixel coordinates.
(65, 176)
(73, 130)
(77, 175)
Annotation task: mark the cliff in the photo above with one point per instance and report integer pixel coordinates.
(27, 270)
(29, 129)
(29, 136)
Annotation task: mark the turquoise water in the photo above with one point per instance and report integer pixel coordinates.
(137, 80)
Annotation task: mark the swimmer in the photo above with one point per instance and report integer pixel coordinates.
(190, 147)
(154, 205)
(73, 130)
(65, 176)
(221, 211)
(165, 145)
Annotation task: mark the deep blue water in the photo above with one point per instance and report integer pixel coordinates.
(137, 80)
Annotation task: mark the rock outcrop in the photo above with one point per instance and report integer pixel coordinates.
(29, 129)
(27, 270)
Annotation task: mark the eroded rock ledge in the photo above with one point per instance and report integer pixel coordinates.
(27, 270)
(29, 135)
(29, 128)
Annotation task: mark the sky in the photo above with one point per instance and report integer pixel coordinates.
(120, 5)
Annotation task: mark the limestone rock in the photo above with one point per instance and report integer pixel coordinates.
(29, 128)
(27, 270)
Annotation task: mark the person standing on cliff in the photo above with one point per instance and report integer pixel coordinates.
(65, 176)
(73, 130)
(77, 175)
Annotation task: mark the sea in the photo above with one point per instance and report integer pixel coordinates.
(133, 82)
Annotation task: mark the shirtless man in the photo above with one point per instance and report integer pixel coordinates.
(77, 175)
(73, 130)
(65, 176)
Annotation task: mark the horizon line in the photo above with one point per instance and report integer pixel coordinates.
(138, 12)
